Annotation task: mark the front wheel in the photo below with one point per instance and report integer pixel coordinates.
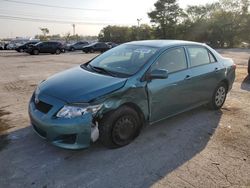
(219, 96)
(120, 127)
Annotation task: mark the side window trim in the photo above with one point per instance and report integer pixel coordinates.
(211, 54)
(169, 49)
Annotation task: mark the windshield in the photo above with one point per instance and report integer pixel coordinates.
(124, 59)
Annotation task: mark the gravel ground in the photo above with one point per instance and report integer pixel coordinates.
(199, 148)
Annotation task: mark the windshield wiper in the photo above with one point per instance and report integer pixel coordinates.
(102, 70)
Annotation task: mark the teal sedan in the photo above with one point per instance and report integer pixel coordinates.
(114, 95)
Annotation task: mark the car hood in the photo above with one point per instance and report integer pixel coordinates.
(79, 85)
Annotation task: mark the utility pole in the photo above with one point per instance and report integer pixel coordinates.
(138, 29)
(74, 29)
(138, 21)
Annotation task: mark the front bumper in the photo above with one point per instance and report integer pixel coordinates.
(65, 133)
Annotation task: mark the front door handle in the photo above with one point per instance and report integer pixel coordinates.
(188, 77)
(216, 69)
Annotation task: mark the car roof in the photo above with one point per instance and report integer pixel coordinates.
(163, 43)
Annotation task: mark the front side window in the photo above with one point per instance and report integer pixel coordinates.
(198, 56)
(173, 60)
(126, 59)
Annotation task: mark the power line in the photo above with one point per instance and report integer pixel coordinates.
(50, 21)
(54, 6)
(47, 16)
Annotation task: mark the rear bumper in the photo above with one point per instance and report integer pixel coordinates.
(72, 133)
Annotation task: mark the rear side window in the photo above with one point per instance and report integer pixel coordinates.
(173, 60)
(199, 56)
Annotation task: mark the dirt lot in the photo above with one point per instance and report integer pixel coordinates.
(200, 148)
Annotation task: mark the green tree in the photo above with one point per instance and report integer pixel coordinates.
(45, 31)
(117, 34)
(165, 17)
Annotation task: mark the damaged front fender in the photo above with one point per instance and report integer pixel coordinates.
(135, 94)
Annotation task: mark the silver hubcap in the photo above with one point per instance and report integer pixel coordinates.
(220, 96)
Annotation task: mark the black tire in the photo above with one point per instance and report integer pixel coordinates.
(58, 51)
(35, 52)
(72, 49)
(21, 50)
(248, 68)
(219, 96)
(92, 51)
(120, 127)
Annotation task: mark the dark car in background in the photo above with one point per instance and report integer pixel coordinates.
(25, 46)
(96, 47)
(46, 47)
(1, 46)
(111, 44)
(76, 46)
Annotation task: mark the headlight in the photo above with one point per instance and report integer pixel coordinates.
(75, 111)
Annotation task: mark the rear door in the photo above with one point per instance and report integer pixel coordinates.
(97, 47)
(171, 95)
(43, 47)
(205, 73)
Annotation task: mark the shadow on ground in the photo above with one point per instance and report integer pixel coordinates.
(245, 85)
(28, 161)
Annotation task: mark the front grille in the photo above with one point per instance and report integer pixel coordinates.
(42, 106)
(41, 132)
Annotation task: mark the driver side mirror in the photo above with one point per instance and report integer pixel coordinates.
(158, 74)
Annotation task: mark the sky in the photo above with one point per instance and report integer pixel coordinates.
(89, 16)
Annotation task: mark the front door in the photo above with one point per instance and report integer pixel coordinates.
(171, 95)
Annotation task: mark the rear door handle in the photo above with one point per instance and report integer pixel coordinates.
(188, 77)
(216, 69)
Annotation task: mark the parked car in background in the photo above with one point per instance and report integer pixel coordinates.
(25, 46)
(11, 46)
(1, 46)
(96, 47)
(46, 47)
(76, 46)
(137, 83)
(111, 44)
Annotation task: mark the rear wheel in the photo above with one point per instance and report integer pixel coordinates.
(219, 96)
(72, 49)
(120, 127)
(58, 51)
(92, 51)
(35, 52)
